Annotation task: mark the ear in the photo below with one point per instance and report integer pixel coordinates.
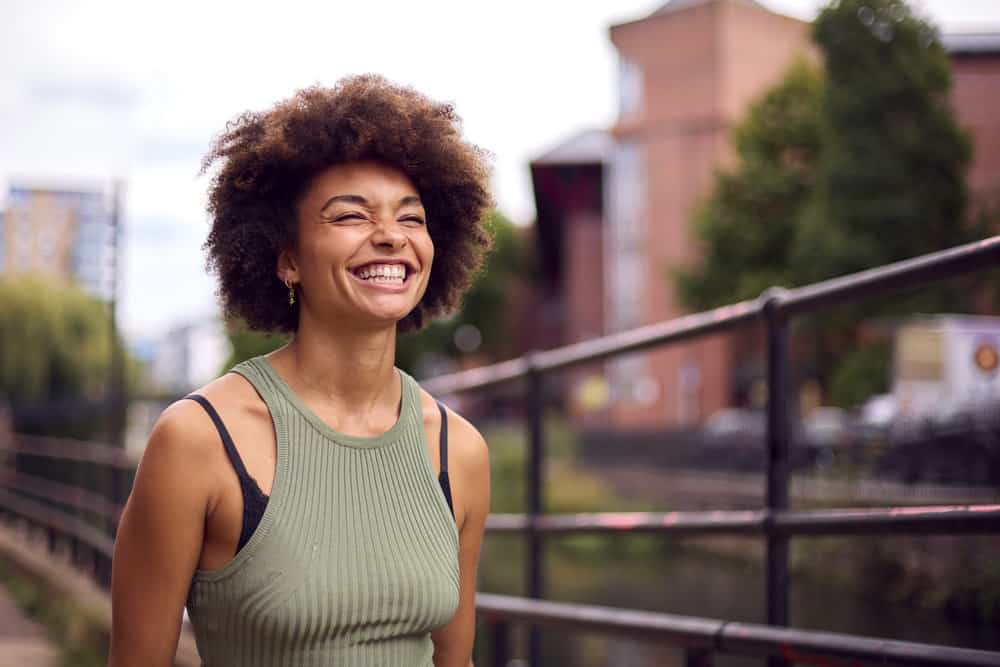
(287, 268)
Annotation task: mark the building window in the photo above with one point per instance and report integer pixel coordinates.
(629, 87)
(624, 261)
(625, 265)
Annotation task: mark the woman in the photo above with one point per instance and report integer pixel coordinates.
(315, 506)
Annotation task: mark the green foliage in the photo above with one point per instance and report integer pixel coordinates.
(55, 350)
(76, 630)
(861, 372)
(486, 306)
(247, 344)
(54, 341)
(838, 171)
(891, 174)
(508, 449)
(746, 225)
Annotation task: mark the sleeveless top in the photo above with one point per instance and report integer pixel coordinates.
(355, 558)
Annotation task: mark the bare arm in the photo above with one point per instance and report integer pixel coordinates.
(159, 542)
(453, 643)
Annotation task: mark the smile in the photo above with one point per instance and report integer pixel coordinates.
(387, 276)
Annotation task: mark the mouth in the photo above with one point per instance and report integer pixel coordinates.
(394, 274)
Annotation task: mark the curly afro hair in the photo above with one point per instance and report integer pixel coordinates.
(268, 159)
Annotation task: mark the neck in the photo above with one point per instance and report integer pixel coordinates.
(351, 369)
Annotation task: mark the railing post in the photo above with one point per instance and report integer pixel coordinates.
(501, 642)
(777, 458)
(697, 657)
(536, 506)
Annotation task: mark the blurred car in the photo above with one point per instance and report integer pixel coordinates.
(876, 416)
(827, 427)
(735, 426)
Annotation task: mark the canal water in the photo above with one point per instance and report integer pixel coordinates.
(653, 574)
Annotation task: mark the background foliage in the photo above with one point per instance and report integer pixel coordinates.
(840, 169)
(55, 356)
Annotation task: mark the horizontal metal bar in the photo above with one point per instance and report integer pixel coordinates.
(671, 331)
(926, 520)
(906, 274)
(66, 449)
(65, 494)
(744, 639)
(683, 631)
(68, 525)
(812, 647)
(914, 272)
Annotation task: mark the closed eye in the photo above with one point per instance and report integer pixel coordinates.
(413, 218)
(349, 216)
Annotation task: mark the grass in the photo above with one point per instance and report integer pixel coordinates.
(80, 643)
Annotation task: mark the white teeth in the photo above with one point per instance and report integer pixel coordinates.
(393, 273)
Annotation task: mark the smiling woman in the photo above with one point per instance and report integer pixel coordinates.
(315, 506)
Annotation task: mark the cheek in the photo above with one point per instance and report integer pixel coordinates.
(425, 246)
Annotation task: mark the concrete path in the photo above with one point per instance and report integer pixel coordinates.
(23, 643)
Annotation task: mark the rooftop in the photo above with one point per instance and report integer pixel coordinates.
(677, 5)
(971, 42)
(586, 147)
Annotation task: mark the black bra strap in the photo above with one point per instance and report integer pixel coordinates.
(443, 476)
(254, 500)
(227, 441)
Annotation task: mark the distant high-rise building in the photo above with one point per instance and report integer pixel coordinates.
(188, 355)
(65, 233)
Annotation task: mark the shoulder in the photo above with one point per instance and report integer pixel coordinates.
(465, 443)
(467, 449)
(184, 442)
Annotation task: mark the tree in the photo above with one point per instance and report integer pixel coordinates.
(840, 171)
(485, 312)
(891, 179)
(747, 224)
(55, 357)
(247, 344)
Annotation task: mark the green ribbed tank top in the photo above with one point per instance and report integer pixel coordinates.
(355, 560)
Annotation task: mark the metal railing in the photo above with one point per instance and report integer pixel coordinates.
(87, 518)
(775, 523)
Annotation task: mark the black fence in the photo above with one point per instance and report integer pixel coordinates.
(80, 508)
(775, 523)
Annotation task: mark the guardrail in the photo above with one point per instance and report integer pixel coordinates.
(776, 307)
(699, 638)
(84, 518)
(37, 502)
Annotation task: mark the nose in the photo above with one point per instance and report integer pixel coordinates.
(388, 234)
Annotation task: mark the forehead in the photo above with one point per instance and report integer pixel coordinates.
(372, 180)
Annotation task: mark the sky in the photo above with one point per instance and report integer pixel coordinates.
(96, 91)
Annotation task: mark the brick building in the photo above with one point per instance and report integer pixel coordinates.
(614, 205)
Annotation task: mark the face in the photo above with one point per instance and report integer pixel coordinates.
(363, 254)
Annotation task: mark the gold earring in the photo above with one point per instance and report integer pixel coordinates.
(291, 292)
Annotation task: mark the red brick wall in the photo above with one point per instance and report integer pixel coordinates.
(583, 265)
(701, 67)
(976, 99)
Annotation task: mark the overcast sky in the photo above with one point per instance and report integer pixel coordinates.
(97, 90)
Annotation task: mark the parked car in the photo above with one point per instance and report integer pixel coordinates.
(827, 427)
(735, 426)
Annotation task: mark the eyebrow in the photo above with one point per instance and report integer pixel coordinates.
(358, 199)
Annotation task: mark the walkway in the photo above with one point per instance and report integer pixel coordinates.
(23, 643)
